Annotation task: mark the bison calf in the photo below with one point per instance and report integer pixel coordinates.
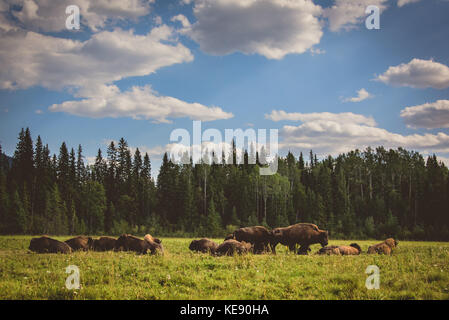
(48, 245)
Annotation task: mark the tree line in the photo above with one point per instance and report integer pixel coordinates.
(360, 194)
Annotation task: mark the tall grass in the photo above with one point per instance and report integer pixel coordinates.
(416, 270)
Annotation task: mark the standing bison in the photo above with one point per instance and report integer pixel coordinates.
(80, 243)
(45, 244)
(203, 245)
(304, 234)
(351, 250)
(258, 236)
(104, 244)
(385, 247)
(231, 247)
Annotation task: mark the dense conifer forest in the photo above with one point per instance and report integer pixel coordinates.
(373, 193)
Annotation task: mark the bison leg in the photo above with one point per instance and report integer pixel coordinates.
(292, 247)
(303, 250)
(273, 247)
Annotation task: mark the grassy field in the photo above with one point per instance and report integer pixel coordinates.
(416, 270)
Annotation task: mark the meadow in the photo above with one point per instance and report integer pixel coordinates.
(416, 270)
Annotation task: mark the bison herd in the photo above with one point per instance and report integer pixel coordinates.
(257, 240)
(125, 242)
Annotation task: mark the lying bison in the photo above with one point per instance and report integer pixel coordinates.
(104, 244)
(258, 236)
(385, 247)
(231, 247)
(80, 243)
(45, 244)
(155, 243)
(203, 245)
(303, 234)
(351, 250)
(127, 242)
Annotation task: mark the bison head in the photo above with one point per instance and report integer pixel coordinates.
(193, 245)
(324, 238)
(230, 237)
(355, 245)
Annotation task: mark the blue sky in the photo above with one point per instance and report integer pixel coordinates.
(239, 61)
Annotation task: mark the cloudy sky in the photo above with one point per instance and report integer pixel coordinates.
(140, 69)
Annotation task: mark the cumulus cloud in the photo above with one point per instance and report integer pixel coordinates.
(362, 94)
(50, 16)
(402, 3)
(347, 117)
(429, 115)
(138, 103)
(334, 137)
(272, 28)
(346, 15)
(29, 59)
(417, 74)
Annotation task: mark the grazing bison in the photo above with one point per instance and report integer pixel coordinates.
(80, 243)
(258, 236)
(127, 242)
(155, 244)
(45, 244)
(203, 245)
(104, 244)
(385, 247)
(231, 247)
(352, 249)
(303, 234)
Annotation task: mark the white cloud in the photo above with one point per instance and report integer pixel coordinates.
(30, 59)
(272, 28)
(348, 15)
(39, 111)
(334, 137)
(402, 3)
(417, 74)
(347, 117)
(138, 103)
(362, 94)
(50, 16)
(429, 115)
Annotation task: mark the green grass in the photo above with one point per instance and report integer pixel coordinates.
(416, 270)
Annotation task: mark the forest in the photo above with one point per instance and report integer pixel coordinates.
(374, 193)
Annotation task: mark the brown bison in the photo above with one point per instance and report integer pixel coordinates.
(385, 247)
(45, 244)
(231, 247)
(127, 242)
(155, 243)
(258, 236)
(229, 237)
(80, 243)
(203, 245)
(304, 234)
(351, 250)
(104, 244)
(150, 238)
